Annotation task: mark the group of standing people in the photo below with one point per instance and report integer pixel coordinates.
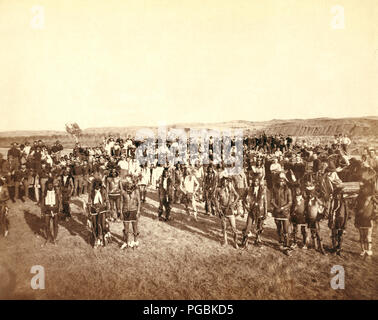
(299, 185)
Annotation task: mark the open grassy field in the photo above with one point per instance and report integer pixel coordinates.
(181, 259)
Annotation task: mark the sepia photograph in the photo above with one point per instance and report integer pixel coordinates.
(188, 154)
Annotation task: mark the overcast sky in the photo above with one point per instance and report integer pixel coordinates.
(142, 62)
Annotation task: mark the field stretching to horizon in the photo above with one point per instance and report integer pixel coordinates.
(181, 259)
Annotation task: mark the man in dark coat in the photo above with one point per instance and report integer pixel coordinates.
(281, 202)
(165, 190)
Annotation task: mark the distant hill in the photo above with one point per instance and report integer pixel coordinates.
(31, 133)
(363, 126)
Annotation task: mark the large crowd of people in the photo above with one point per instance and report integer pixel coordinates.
(297, 182)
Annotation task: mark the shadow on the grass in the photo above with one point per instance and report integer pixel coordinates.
(35, 223)
(81, 229)
(181, 221)
(76, 228)
(207, 226)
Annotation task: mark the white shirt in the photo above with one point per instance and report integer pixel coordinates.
(275, 167)
(98, 197)
(165, 180)
(198, 172)
(123, 164)
(346, 141)
(189, 183)
(27, 150)
(50, 198)
(145, 176)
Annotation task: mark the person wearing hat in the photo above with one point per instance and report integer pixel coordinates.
(332, 179)
(256, 205)
(50, 207)
(226, 198)
(4, 197)
(56, 150)
(67, 188)
(14, 154)
(337, 219)
(130, 211)
(281, 201)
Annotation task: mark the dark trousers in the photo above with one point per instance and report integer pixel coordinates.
(54, 219)
(164, 203)
(78, 184)
(282, 231)
(98, 226)
(303, 231)
(66, 208)
(337, 238)
(209, 202)
(17, 185)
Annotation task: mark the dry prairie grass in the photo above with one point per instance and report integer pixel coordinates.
(182, 259)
